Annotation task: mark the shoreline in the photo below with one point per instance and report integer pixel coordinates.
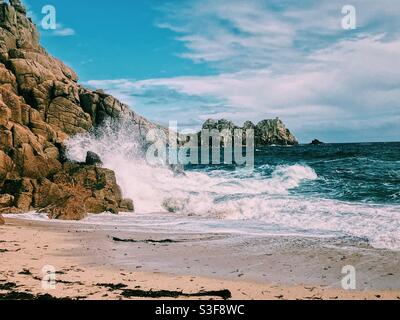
(92, 263)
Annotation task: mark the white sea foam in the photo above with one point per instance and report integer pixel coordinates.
(31, 216)
(237, 195)
(155, 189)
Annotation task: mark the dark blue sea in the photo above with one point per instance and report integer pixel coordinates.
(347, 191)
(358, 172)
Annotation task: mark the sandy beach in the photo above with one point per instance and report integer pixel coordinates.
(93, 263)
(220, 150)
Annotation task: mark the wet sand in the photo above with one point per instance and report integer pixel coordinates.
(93, 263)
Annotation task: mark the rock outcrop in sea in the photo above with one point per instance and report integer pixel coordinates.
(266, 133)
(41, 106)
(316, 142)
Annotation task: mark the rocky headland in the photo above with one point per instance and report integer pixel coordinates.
(41, 106)
(266, 133)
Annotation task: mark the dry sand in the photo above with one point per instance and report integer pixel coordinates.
(88, 261)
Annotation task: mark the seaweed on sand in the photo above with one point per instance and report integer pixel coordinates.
(144, 241)
(128, 293)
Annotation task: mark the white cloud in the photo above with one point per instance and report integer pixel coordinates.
(346, 85)
(294, 62)
(62, 31)
(230, 34)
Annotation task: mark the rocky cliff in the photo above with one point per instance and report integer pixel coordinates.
(42, 105)
(266, 133)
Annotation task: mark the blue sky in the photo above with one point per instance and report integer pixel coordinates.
(190, 60)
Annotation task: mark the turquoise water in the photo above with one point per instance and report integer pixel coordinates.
(363, 172)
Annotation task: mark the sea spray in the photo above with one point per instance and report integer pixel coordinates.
(156, 188)
(280, 194)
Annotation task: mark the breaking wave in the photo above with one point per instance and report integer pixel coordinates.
(266, 194)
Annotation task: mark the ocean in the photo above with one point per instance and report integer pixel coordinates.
(348, 191)
(331, 190)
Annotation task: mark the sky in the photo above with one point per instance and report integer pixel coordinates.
(190, 60)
